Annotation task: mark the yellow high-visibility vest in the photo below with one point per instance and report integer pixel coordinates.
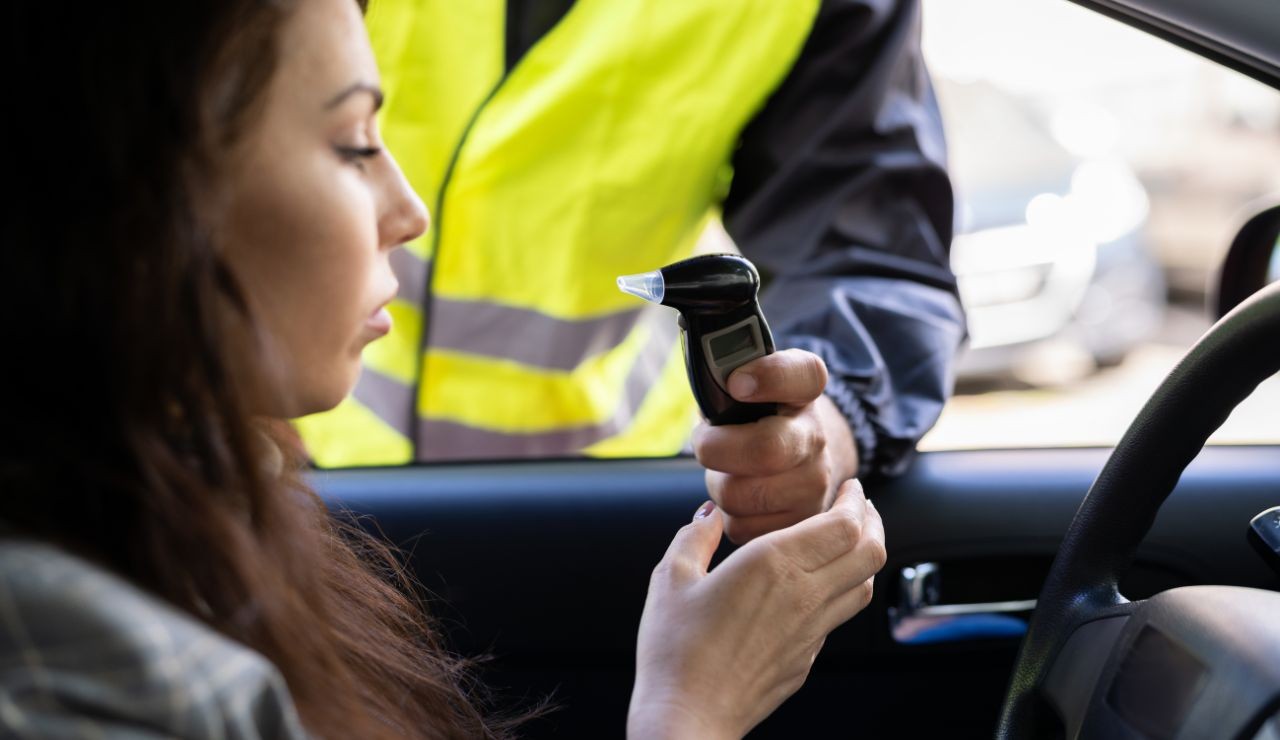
(604, 151)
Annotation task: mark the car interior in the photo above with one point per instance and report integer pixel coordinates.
(1126, 592)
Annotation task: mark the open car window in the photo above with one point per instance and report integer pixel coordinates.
(1100, 178)
(1100, 174)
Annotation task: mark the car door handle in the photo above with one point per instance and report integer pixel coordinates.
(920, 619)
(993, 607)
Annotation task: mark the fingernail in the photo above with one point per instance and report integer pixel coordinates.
(742, 385)
(704, 511)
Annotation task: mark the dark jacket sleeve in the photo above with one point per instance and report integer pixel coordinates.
(841, 197)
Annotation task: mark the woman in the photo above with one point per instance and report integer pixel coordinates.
(198, 244)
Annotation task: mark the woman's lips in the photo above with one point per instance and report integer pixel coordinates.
(379, 322)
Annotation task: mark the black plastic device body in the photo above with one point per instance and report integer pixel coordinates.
(721, 329)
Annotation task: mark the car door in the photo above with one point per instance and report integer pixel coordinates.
(542, 565)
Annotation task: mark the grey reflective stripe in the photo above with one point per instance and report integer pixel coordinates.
(521, 335)
(391, 400)
(444, 440)
(412, 273)
(528, 337)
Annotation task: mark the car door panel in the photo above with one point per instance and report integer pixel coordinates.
(544, 567)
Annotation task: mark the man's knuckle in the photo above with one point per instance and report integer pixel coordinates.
(848, 529)
(710, 446)
(866, 590)
(756, 498)
(823, 478)
(769, 450)
(740, 531)
(817, 371)
(878, 556)
(817, 439)
(719, 486)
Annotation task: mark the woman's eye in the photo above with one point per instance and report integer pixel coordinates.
(357, 155)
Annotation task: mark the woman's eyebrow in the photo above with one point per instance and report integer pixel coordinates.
(354, 88)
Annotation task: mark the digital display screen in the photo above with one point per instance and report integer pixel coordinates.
(732, 343)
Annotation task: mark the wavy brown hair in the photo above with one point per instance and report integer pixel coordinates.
(127, 437)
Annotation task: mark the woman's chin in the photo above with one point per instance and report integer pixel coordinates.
(328, 398)
(317, 398)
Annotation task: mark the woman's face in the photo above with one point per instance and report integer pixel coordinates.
(316, 206)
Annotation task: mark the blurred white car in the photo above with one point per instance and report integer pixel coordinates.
(1050, 255)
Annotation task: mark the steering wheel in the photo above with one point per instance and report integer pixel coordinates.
(1199, 661)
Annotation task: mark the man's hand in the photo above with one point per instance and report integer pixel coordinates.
(774, 472)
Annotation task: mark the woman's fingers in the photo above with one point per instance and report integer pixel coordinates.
(780, 596)
(852, 577)
(846, 605)
(865, 559)
(838, 553)
(819, 540)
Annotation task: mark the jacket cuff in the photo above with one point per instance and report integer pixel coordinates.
(846, 399)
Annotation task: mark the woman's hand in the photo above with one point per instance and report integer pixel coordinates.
(719, 651)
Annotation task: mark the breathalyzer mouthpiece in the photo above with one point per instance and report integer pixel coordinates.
(721, 326)
(647, 285)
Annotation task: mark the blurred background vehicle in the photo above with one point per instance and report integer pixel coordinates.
(1051, 245)
(1100, 174)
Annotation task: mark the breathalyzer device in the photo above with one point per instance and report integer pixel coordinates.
(721, 326)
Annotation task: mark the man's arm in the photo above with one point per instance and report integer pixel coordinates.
(840, 195)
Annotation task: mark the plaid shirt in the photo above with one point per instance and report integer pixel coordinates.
(85, 654)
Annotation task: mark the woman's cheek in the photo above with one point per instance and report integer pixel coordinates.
(331, 377)
(342, 266)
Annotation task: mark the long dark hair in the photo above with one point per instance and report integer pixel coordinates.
(126, 436)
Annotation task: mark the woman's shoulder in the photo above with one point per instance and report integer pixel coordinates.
(83, 651)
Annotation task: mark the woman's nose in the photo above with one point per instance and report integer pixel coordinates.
(404, 217)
